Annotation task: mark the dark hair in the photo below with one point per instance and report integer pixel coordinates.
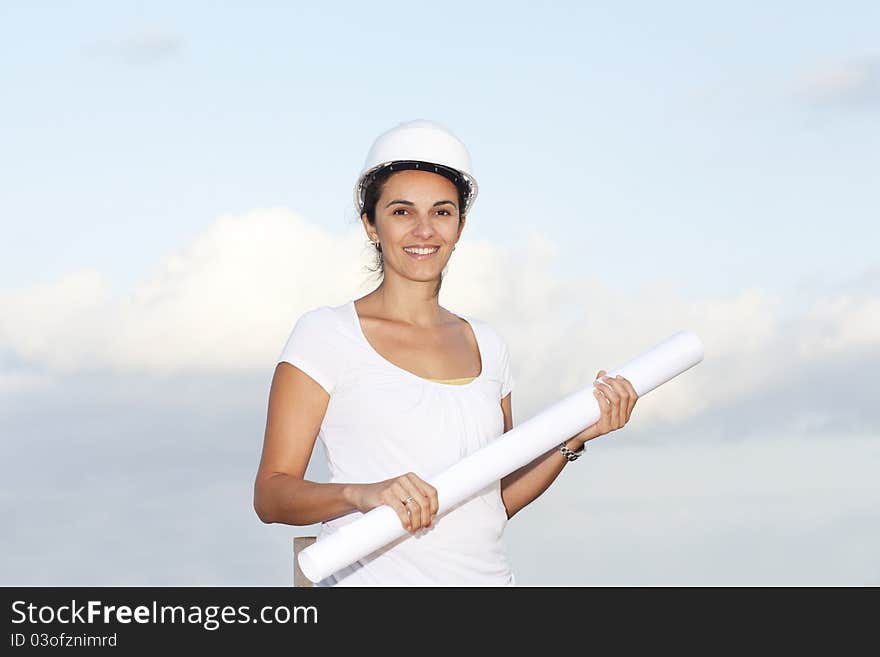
(372, 194)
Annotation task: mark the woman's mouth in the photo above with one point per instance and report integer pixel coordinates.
(421, 253)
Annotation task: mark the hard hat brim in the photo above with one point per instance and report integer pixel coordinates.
(454, 175)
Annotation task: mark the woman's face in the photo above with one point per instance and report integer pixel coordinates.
(416, 209)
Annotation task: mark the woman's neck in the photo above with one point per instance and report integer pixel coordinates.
(416, 304)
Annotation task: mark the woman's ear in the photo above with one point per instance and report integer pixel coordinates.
(368, 228)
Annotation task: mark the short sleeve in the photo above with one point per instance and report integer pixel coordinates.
(313, 346)
(507, 378)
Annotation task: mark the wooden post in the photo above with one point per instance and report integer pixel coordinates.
(300, 543)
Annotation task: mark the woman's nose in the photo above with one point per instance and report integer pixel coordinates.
(423, 227)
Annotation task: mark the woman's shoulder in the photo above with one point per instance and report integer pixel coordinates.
(324, 316)
(315, 346)
(488, 330)
(320, 325)
(493, 346)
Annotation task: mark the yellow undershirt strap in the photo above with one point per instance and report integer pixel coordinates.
(461, 381)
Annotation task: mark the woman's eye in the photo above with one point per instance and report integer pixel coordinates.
(404, 210)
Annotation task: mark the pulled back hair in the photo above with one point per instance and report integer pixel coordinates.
(372, 194)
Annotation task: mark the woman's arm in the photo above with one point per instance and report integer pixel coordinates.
(296, 409)
(521, 487)
(297, 404)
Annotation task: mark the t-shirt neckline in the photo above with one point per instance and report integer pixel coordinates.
(360, 331)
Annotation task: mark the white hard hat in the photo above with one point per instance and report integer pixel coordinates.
(419, 144)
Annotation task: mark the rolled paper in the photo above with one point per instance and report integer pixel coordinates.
(510, 451)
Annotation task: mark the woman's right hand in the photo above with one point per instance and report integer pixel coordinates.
(414, 499)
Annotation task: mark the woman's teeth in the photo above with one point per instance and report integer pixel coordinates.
(422, 252)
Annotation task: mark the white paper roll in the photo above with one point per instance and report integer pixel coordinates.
(512, 450)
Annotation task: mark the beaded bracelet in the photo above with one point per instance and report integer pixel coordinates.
(567, 453)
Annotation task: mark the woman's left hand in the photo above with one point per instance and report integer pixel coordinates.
(617, 398)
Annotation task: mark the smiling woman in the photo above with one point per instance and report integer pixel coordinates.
(399, 388)
(452, 189)
(399, 226)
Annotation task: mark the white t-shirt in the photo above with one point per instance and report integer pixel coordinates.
(383, 421)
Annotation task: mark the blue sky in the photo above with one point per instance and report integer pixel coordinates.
(613, 127)
(176, 191)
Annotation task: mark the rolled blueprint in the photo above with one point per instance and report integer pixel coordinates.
(512, 450)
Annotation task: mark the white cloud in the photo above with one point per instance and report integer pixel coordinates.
(140, 49)
(855, 82)
(840, 324)
(227, 301)
(220, 304)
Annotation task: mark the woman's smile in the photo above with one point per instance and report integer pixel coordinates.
(421, 253)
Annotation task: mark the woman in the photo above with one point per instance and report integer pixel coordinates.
(400, 388)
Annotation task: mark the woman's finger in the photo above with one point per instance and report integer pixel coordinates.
(622, 398)
(600, 399)
(394, 499)
(430, 494)
(633, 397)
(420, 503)
(415, 507)
(614, 399)
(604, 410)
(607, 390)
(403, 513)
